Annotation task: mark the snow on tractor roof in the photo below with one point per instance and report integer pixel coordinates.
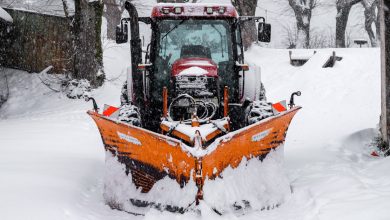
(171, 10)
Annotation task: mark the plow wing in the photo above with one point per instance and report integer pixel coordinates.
(256, 140)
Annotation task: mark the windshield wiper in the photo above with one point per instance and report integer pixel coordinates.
(181, 22)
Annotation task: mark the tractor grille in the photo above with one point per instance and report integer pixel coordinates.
(196, 86)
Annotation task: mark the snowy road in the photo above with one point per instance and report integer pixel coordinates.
(52, 158)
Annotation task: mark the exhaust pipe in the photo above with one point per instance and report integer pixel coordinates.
(136, 53)
(135, 41)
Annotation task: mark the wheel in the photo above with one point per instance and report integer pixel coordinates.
(130, 114)
(259, 110)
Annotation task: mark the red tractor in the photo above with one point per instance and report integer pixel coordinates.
(195, 50)
(190, 109)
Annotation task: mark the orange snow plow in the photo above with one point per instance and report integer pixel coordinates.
(150, 156)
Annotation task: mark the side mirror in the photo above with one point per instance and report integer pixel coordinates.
(122, 33)
(264, 32)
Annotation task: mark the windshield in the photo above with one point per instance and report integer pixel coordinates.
(195, 38)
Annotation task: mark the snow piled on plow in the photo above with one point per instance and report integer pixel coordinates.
(253, 185)
(119, 189)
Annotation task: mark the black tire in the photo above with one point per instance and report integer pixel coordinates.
(259, 110)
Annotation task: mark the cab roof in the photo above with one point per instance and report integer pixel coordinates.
(174, 10)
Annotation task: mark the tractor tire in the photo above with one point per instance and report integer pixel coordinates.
(259, 110)
(130, 114)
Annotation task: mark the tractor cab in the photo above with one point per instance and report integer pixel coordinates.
(195, 52)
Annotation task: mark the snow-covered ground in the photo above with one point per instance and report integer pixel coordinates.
(52, 158)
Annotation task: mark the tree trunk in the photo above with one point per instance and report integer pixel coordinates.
(385, 55)
(303, 28)
(370, 18)
(302, 11)
(88, 56)
(343, 9)
(113, 16)
(248, 28)
(378, 23)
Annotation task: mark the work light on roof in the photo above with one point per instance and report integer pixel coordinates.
(222, 10)
(209, 10)
(178, 10)
(166, 10)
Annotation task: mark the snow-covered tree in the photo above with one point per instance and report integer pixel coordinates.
(87, 46)
(303, 13)
(343, 10)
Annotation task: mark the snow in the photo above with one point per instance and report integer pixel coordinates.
(302, 54)
(53, 161)
(52, 7)
(190, 131)
(197, 63)
(193, 71)
(263, 184)
(5, 16)
(119, 188)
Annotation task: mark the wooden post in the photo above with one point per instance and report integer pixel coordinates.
(385, 68)
(165, 102)
(225, 101)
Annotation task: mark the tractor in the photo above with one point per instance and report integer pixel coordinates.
(190, 108)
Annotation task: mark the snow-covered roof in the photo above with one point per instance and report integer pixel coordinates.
(51, 7)
(5, 16)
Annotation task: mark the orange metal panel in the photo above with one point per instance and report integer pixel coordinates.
(176, 133)
(249, 142)
(162, 153)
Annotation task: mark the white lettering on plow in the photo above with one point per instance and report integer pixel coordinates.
(129, 138)
(260, 136)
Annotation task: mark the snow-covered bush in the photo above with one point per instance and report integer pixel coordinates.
(379, 146)
(63, 83)
(77, 88)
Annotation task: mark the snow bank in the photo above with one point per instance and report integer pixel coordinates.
(5, 16)
(336, 101)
